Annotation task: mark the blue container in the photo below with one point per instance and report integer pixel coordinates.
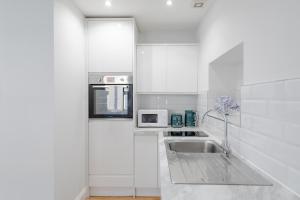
(190, 118)
(176, 120)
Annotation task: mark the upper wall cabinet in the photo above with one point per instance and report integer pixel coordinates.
(167, 68)
(110, 45)
(151, 68)
(182, 69)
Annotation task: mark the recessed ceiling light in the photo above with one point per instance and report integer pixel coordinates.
(108, 3)
(198, 5)
(169, 2)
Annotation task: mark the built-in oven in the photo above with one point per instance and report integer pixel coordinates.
(110, 95)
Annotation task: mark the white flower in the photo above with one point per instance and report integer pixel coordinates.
(226, 105)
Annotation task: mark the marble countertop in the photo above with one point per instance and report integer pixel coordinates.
(170, 191)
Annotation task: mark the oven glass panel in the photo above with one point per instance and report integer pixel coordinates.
(149, 118)
(111, 101)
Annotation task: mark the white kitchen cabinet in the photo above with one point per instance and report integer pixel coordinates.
(111, 153)
(110, 44)
(167, 68)
(152, 68)
(146, 160)
(182, 69)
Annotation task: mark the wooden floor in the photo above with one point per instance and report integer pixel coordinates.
(124, 198)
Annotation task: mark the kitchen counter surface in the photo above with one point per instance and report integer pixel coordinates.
(171, 191)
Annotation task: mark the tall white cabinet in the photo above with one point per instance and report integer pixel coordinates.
(111, 48)
(167, 68)
(110, 44)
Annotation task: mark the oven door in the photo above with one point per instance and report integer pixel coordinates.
(110, 101)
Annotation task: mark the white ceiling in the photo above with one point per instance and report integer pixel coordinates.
(151, 15)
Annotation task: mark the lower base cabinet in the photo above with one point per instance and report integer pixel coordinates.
(122, 163)
(146, 163)
(111, 169)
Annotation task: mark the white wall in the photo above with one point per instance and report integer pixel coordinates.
(70, 101)
(26, 100)
(269, 30)
(270, 123)
(175, 36)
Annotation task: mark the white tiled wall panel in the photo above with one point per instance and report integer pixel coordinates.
(267, 91)
(255, 107)
(173, 103)
(291, 133)
(292, 89)
(293, 179)
(269, 135)
(262, 125)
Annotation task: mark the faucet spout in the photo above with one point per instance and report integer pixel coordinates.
(205, 114)
(226, 146)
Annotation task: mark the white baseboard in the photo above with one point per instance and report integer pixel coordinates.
(152, 192)
(84, 194)
(124, 191)
(111, 191)
(102, 181)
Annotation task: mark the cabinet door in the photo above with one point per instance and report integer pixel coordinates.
(110, 46)
(146, 163)
(110, 147)
(151, 68)
(182, 69)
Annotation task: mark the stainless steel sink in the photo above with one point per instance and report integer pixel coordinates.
(185, 134)
(203, 162)
(202, 146)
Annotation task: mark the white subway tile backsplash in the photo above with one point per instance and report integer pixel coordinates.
(174, 103)
(270, 129)
(246, 121)
(268, 164)
(292, 155)
(219, 125)
(274, 91)
(234, 131)
(277, 110)
(271, 147)
(203, 108)
(291, 133)
(293, 112)
(235, 144)
(256, 140)
(181, 100)
(278, 92)
(203, 97)
(255, 107)
(246, 93)
(277, 150)
(293, 180)
(292, 89)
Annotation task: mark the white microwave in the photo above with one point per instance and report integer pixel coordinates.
(153, 118)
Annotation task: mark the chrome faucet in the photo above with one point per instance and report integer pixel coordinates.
(226, 146)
